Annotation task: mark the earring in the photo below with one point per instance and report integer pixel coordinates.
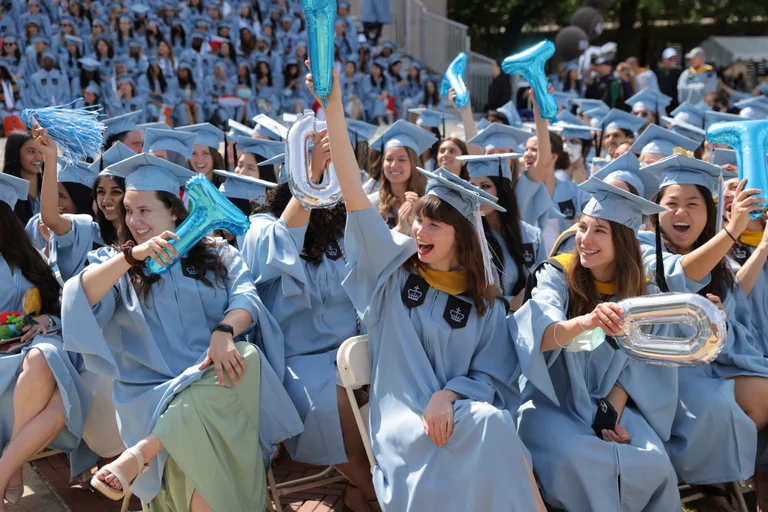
(173, 218)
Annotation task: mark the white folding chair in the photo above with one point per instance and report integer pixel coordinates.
(740, 488)
(354, 367)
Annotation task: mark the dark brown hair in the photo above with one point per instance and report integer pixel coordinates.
(18, 252)
(202, 256)
(556, 142)
(468, 251)
(463, 174)
(630, 273)
(416, 183)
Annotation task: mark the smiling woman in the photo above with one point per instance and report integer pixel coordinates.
(23, 160)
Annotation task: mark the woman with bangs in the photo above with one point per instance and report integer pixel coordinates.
(396, 154)
(610, 413)
(443, 366)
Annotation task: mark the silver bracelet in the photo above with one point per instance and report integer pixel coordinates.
(581, 324)
(554, 335)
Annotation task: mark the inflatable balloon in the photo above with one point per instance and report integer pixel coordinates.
(209, 210)
(530, 64)
(454, 78)
(571, 42)
(589, 20)
(76, 131)
(750, 141)
(320, 16)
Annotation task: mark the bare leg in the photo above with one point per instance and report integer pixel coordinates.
(752, 396)
(540, 507)
(357, 470)
(198, 504)
(390, 117)
(149, 448)
(357, 110)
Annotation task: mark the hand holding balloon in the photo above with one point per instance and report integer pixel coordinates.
(530, 64)
(454, 79)
(745, 204)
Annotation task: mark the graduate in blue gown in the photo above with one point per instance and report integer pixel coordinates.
(123, 129)
(175, 146)
(443, 367)
(246, 193)
(714, 433)
(22, 159)
(580, 469)
(43, 400)
(516, 245)
(205, 152)
(616, 126)
(48, 86)
(656, 143)
(157, 337)
(252, 153)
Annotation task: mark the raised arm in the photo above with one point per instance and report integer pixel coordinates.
(49, 200)
(750, 271)
(344, 161)
(544, 157)
(295, 214)
(470, 128)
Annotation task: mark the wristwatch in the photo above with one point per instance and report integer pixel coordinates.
(225, 328)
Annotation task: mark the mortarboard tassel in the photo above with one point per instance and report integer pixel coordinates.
(76, 131)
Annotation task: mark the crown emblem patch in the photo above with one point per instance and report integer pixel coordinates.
(457, 312)
(333, 251)
(415, 291)
(528, 254)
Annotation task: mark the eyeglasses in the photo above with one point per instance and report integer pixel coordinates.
(8, 44)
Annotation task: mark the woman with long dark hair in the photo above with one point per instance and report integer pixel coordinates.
(205, 154)
(23, 159)
(431, 98)
(43, 400)
(189, 96)
(442, 360)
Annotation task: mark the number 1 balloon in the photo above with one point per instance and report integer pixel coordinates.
(209, 210)
(530, 64)
(454, 78)
(750, 141)
(321, 18)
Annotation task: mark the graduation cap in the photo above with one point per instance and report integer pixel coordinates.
(139, 9)
(80, 173)
(240, 186)
(724, 157)
(754, 108)
(627, 168)
(117, 153)
(509, 110)
(617, 205)
(13, 189)
(648, 99)
(49, 54)
(481, 124)
(500, 136)
(685, 129)
(268, 127)
(571, 65)
(492, 166)
(207, 134)
(565, 99)
(404, 134)
(262, 147)
(660, 141)
(144, 172)
(566, 117)
(711, 117)
(689, 113)
(169, 140)
(430, 118)
(683, 170)
(135, 43)
(573, 131)
(89, 64)
(585, 104)
(389, 44)
(144, 126)
(121, 124)
(73, 40)
(239, 129)
(360, 130)
(596, 115)
(619, 119)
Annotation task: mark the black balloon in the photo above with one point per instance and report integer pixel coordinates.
(571, 42)
(599, 4)
(589, 20)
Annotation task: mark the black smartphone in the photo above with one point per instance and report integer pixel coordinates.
(605, 418)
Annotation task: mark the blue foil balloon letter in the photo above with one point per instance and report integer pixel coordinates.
(750, 141)
(530, 64)
(321, 18)
(454, 78)
(208, 210)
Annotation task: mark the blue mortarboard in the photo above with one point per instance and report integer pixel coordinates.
(754, 108)
(627, 169)
(685, 129)
(648, 99)
(196, 34)
(416, 64)
(135, 43)
(140, 9)
(389, 44)
(127, 78)
(658, 140)
(169, 140)
(144, 172)
(344, 4)
(185, 64)
(121, 124)
(565, 99)
(263, 148)
(207, 134)
(571, 65)
(500, 136)
(510, 112)
(569, 118)
(404, 134)
(11, 38)
(73, 39)
(585, 104)
(13, 189)
(430, 118)
(617, 205)
(89, 64)
(689, 113)
(239, 129)
(50, 55)
(100, 22)
(79, 172)
(460, 194)
(481, 124)
(683, 170)
(120, 60)
(360, 130)
(239, 186)
(711, 117)
(144, 126)
(489, 165)
(268, 127)
(42, 38)
(596, 115)
(573, 131)
(117, 153)
(619, 119)
(124, 17)
(394, 58)
(724, 157)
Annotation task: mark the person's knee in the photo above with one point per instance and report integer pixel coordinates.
(36, 366)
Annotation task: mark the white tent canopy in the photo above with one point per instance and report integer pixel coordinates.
(725, 50)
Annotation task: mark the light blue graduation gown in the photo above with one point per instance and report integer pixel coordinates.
(414, 353)
(692, 87)
(68, 253)
(533, 202)
(568, 200)
(48, 88)
(712, 439)
(374, 107)
(579, 471)
(33, 232)
(64, 365)
(153, 348)
(376, 11)
(316, 316)
(533, 253)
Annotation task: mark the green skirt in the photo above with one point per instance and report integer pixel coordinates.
(211, 433)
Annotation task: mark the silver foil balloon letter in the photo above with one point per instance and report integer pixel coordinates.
(694, 312)
(312, 195)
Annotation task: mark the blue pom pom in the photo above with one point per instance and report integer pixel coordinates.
(76, 131)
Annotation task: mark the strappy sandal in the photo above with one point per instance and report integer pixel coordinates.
(712, 491)
(14, 493)
(109, 491)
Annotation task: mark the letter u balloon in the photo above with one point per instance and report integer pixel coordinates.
(530, 64)
(454, 78)
(749, 139)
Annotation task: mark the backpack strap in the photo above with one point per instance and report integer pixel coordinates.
(557, 263)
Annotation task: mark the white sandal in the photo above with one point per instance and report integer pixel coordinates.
(109, 491)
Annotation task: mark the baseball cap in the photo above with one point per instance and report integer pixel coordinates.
(668, 53)
(696, 52)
